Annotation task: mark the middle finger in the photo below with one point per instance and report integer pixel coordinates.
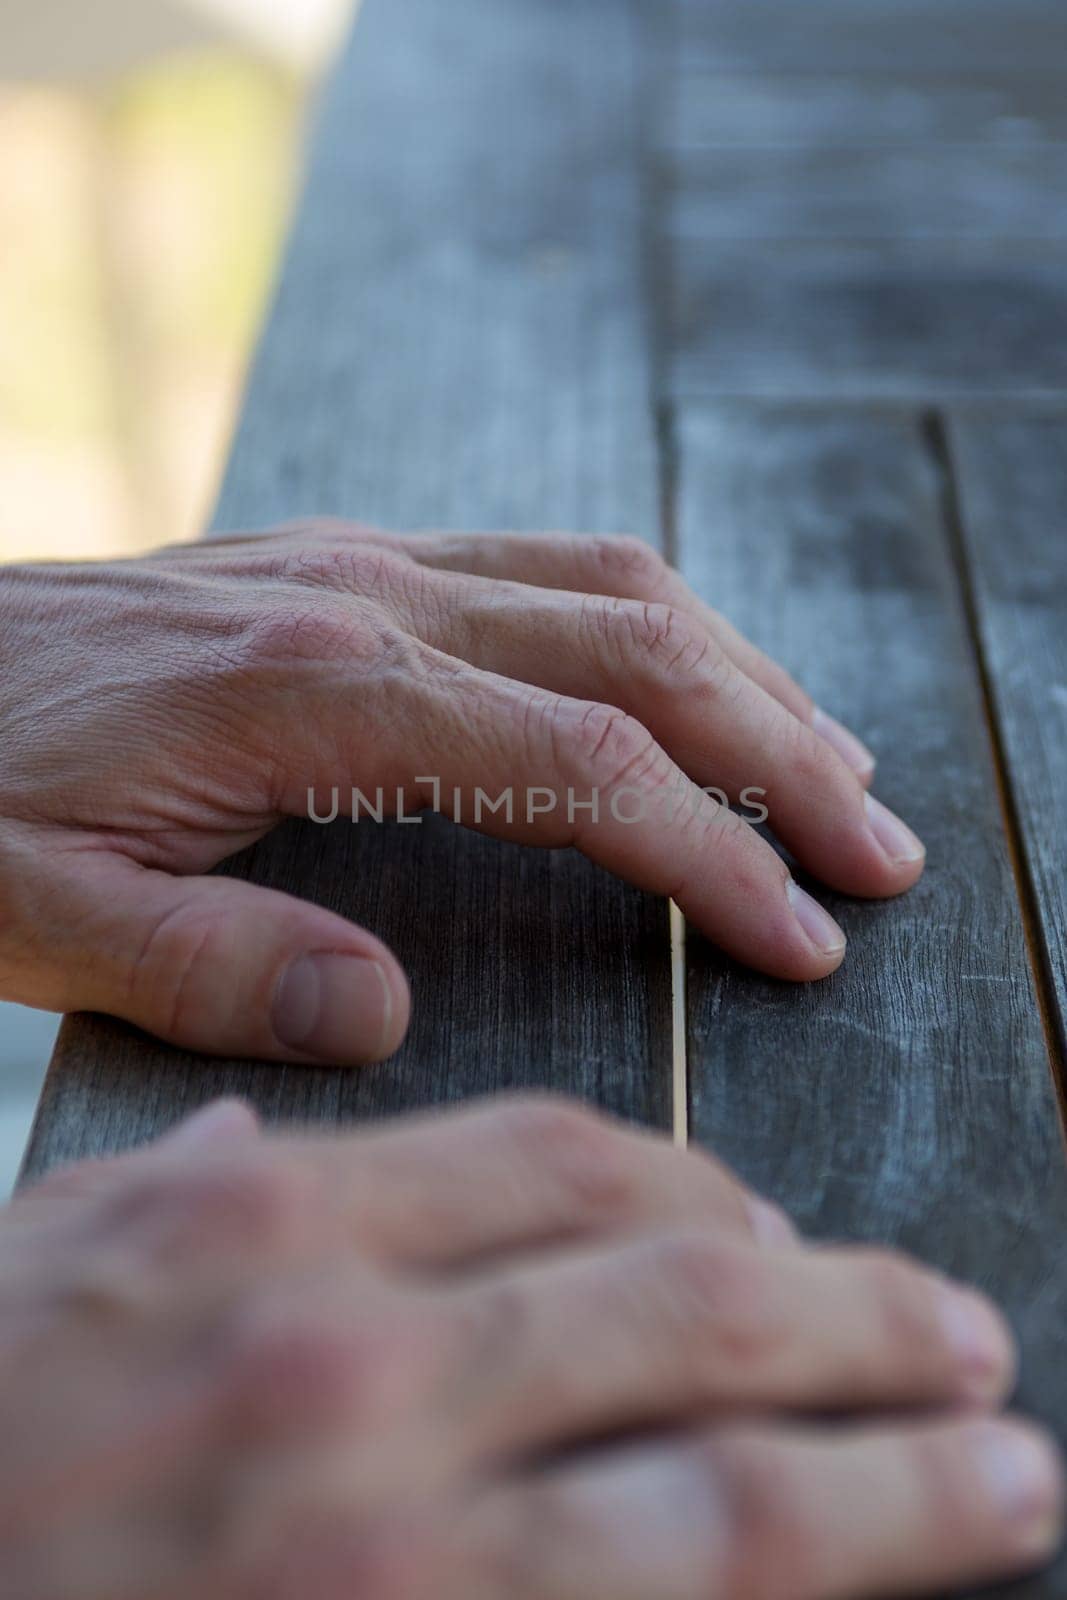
(647, 1333)
(660, 666)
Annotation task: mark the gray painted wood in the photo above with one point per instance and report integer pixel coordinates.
(909, 1097)
(505, 994)
(843, 321)
(713, 105)
(1012, 504)
(860, 204)
(922, 38)
(865, 201)
(459, 339)
(977, 192)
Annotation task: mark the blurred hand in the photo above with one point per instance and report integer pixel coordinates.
(159, 714)
(515, 1353)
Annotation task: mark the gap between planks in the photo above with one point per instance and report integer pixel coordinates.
(667, 442)
(679, 1059)
(938, 442)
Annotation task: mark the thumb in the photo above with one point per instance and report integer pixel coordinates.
(223, 966)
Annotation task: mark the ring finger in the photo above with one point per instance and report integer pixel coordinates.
(783, 1514)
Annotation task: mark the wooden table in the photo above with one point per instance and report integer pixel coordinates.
(782, 287)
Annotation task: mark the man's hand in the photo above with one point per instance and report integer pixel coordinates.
(515, 1353)
(157, 715)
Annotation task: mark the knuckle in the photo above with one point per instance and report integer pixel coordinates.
(319, 640)
(179, 1215)
(720, 829)
(697, 1267)
(320, 529)
(311, 632)
(717, 1193)
(586, 1163)
(321, 1366)
(628, 562)
(540, 1124)
(104, 1290)
(812, 762)
(717, 1297)
(167, 971)
(945, 1475)
(267, 1202)
(606, 743)
(768, 1545)
(76, 1181)
(299, 1363)
(904, 1299)
(543, 1537)
(375, 1557)
(492, 1325)
(667, 644)
(351, 567)
(397, 1563)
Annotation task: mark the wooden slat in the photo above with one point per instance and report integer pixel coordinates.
(865, 202)
(1012, 504)
(459, 339)
(843, 321)
(867, 211)
(717, 105)
(943, 38)
(980, 192)
(908, 1098)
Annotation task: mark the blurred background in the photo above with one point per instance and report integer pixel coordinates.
(149, 155)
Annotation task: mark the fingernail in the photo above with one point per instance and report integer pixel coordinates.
(334, 1007)
(851, 750)
(1023, 1476)
(818, 925)
(769, 1224)
(222, 1119)
(893, 837)
(979, 1340)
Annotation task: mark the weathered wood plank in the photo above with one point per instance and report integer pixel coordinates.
(505, 995)
(865, 202)
(979, 192)
(712, 105)
(1012, 500)
(918, 37)
(459, 339)
(909, 1097)
(858, 322)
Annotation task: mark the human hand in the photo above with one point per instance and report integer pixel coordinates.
(511, 1353)
(159, 714)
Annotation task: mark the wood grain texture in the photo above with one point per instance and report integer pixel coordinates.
(1011, 473)
(909, 1097)
(715, 105)
(860, 204)
(980, 192)
(923, 38)
(459, 339)
(865, 202)
(857, 321)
